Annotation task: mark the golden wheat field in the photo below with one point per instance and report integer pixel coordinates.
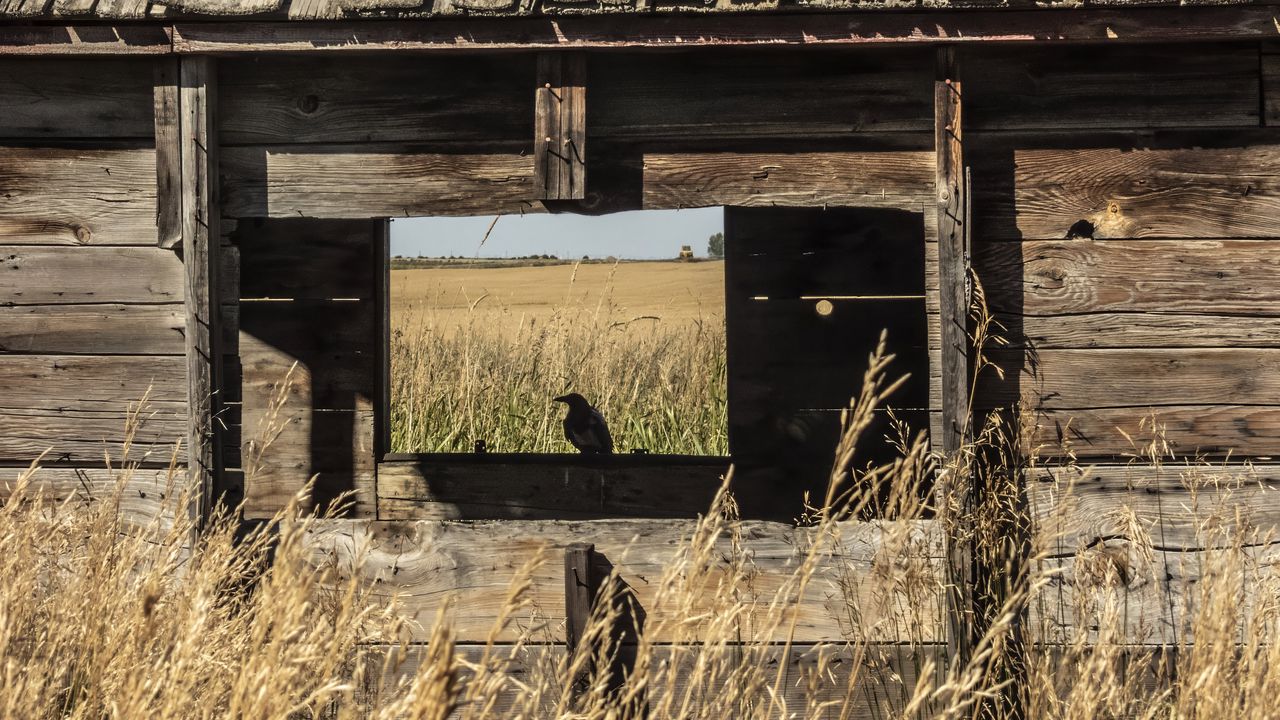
(477, 354)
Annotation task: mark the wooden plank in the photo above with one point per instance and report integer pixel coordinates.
(61, 98)
(953, 246)
(1139, 329)
(1142, 377)
(1271, 89)
(200, 214)
(168, 138)
(1242, 431)
(382, 350)
(143, 497)
(1194, 519)
(57, 275)
(1097, 25)
(78, 406)
(77, 196)
(281, 454)
(579, 591)
(283, 100)
(881, 180)
(94, 436)
(735, 95)
(560, 127)
(1129, 187)
(1066, 277)
(372, 181)
(92, 40)
(425, 563)
(444, 489)
(332, 343)
(102, 328)
(1114, 88)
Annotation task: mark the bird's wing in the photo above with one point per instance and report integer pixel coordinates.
(601, 432)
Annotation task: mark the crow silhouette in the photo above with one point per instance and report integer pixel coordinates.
(585, 427)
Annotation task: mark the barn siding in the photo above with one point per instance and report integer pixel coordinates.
(91, 316)
(1125, 250)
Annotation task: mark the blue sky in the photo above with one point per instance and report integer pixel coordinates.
(644, 234)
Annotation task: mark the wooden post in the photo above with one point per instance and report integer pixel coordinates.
(560, 126)
(199, 210)
(168, 154)
(579, 598)
(953, 276)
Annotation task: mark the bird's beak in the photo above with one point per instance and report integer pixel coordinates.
(561, 399)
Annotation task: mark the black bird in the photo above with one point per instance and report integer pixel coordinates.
(585, 427)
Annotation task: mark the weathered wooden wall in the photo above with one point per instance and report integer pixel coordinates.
(91, 314)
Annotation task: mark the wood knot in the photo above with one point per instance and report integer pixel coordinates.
(83, 234)
(309, 104)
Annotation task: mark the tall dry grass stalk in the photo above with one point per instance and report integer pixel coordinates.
(105, 612)
(487, 375)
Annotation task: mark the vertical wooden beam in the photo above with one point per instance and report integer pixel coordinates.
(382, 296)
(200, 210)
(953, 278)
(560, 127)
(579, 597)
(168, 154)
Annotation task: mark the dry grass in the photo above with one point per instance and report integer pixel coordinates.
(104, 616)
(468, 367)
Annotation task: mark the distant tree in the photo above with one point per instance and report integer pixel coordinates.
(715, 245)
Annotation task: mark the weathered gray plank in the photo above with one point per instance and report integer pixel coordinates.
(107, 329)
(1140, 329)
(144, 496)
(89, 381)
(282, 100)
(331, 343)
(1213, 430)
(1063, 277)
(886, 180)
(1086, 378)
(371, 181)
(1113, 88)
(738, 95)
(168, 139)
(91, 436)
(1128, 188)
(72, 98)
(70, 196)
(280, 453)
(444, 490)
(200, 213)
(1271, 88)
(560, 127)
(56, 275)
(473, 563)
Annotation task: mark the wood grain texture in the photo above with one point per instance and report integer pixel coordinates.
(426, 562)
(560, 127)
(56, 275)
(370, 181)
(1194, 519)
(79, 406)
(72, 196)
(1096, 25)
(438, 489)
(71, 98)
(1068, 379)
(283, 100)
(1242, 431)
(332, 343)
(1140, 329)
(280, 454)
(1064, 277)
(105, 328)
(1131, 190)
(1113, 88)
(735, 95)
(1271, 89)
(200, 212)
(168, 140)
(141, 497)
(881, 180)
